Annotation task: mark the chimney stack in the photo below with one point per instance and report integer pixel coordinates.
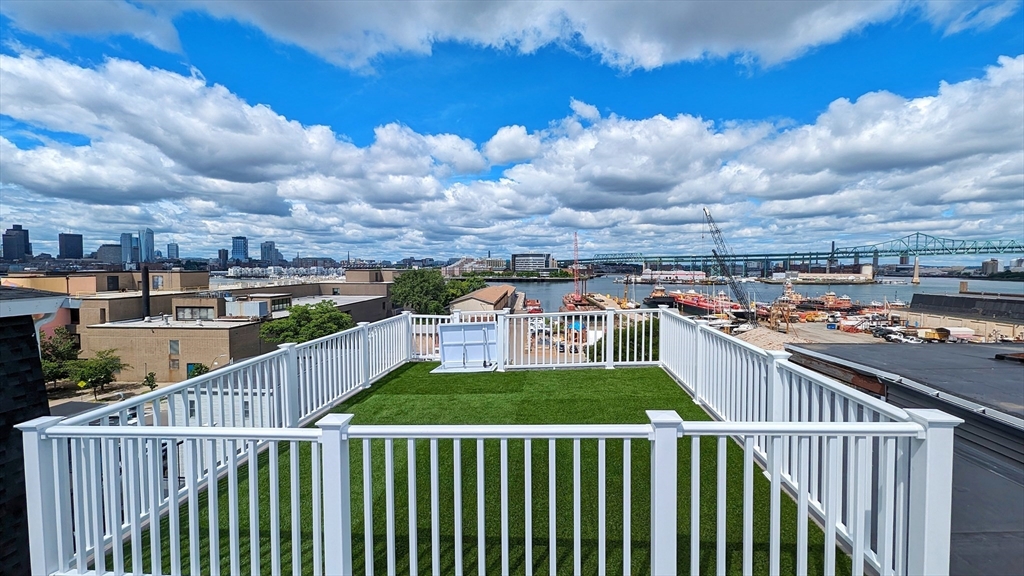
(145, 291)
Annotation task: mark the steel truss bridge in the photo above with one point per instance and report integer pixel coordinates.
(916, 244)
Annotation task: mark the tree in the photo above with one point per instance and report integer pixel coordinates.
(196, 370)
(96, 372)
(306, 322)
(150, 381)
(426, 292)
(57, 351)
(59, 347)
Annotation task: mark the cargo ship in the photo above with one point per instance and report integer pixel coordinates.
(696, 304)
(827, 302)
(658, 297)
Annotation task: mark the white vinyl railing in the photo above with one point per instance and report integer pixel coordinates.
(876, 478)
(738, 382)
(606, 338)
(244, 394)
(102, 488)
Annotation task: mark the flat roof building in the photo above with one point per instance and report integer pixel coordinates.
(69, 246)
(984, 385)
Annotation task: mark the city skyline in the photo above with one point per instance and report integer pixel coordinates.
(797, 124)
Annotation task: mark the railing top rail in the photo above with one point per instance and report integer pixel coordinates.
(734, 340)
(166, 391)
(431, 316)
(594, 313)
(689, 428)
(183, 432)
(857, 396)
(540, 431)
(321, 339)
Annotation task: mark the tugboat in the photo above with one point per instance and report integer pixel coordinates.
(659, 297)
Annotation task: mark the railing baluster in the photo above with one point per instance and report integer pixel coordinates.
(435, 510)
(504, 505)
(481, 542)
(627, 505)
(576, 536)
(174, 503)
(213, 513)
(601, 505)
(528, 506)
(833, 486)
(93, 458)
(192, 499)
(295, 507)
(748, 504)
(254, 510)
(411, 479)
(389, 502)
(720, 497)
(275, 510)
(317, 522)
(155, 495)
(457, 481)
(695, 505)
(552, 542)
(233, 511)
(803, 464)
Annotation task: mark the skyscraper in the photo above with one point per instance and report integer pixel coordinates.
(16, 244)
(267, 252)
(126, 247)
(147, 250)
(222, 257)
(69, 245)
(239, 248)
(172, 250)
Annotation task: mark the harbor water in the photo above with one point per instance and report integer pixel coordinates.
(550, 293)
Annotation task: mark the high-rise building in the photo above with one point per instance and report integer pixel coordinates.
(172, 250)
(109, 253)
(239, 248)
(530, 262)
(222, 258)
(147, 250)
(136, 253)
(267, 252)
(16, 243)
(69, 245)
(127, 241)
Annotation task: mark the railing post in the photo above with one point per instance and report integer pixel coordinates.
(409, 342)
(456, 317)
(337, 494)
(364, 337)
(40, 491)
(662, 310)
(776, 389)
(930, 493)
(609, 339)
(662, 340)
(700, 367)
(664, 474)
(501, 335)
(290, 386)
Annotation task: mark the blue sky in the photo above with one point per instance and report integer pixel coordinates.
(450, 129)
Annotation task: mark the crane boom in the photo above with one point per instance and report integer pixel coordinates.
(721, 251)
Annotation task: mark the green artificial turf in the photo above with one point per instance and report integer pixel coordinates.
(411, 395)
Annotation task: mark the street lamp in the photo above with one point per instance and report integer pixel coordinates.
(214, 362)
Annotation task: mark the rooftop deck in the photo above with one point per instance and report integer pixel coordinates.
(610, 483)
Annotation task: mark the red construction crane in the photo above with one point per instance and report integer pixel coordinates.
(721, 252)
